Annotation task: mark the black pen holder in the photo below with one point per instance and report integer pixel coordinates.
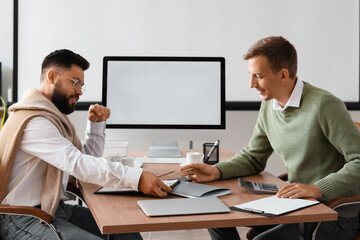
(214, 158)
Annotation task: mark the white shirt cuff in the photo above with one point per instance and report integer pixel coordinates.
(95, 127)
(132, 178)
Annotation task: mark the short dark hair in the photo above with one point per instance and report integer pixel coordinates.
(64, 58)
(279, 52)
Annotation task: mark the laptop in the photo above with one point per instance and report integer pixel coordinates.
(182, 206)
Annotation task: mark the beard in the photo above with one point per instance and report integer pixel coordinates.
(61, 101)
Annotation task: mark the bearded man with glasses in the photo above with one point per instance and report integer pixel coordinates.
(40, 152)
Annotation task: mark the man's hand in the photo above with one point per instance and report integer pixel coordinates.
(152, 185)
(201, 172)
(98, 113)
(299, 190)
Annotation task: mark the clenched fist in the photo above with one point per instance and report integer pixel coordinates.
(98, 113)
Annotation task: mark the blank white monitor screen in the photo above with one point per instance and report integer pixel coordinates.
(165, 92)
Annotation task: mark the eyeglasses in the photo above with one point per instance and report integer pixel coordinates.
(77, 84)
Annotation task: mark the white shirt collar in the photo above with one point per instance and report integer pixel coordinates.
(294, 100)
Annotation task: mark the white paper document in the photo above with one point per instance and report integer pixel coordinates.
(274, 206)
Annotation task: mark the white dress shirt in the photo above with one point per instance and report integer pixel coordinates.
(42, 143)
(295, 97)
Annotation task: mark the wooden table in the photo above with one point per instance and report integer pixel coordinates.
(121, 214)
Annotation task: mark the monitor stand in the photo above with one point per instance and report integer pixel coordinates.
(163, 149)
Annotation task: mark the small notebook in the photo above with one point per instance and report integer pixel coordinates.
(274, 206)
(105, 190)
(182, 206)
(194, 190)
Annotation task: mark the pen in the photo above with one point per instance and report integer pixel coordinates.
(211, 151)
(254, 210)
(189, 169)
(165, 173)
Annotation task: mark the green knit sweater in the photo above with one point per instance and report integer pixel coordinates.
(318, 142)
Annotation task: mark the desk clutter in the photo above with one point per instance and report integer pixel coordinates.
(207, 202)
(181, 188)
(203, 198)
(122, 211)
(200, 199)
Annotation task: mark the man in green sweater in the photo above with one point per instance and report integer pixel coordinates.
(309, 128)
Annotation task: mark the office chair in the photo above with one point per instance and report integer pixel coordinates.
(336, 203)
(333, 204)
(43, 216)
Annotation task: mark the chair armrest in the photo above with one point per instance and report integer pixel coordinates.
(354, 199)
(26, 210)
(72, 189)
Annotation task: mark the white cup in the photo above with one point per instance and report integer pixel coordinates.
(194, 157)
(115, 149)
(128, 161)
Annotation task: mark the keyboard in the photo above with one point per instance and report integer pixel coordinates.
(139, 161)
(259, 187)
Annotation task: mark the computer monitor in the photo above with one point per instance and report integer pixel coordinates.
(164, 93)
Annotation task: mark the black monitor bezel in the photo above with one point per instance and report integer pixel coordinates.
(221, 60)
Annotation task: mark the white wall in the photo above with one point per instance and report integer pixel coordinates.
(6, 44)
(239, 123)
(325, 33)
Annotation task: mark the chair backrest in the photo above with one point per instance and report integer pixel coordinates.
(357, 124)
(357, 237)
